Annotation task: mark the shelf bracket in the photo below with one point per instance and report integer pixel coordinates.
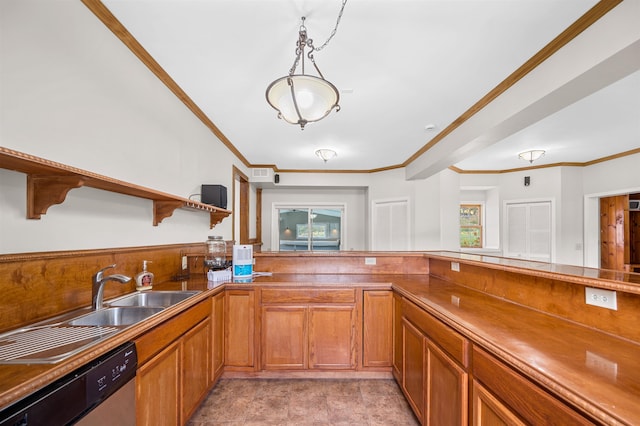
(45, 191)
(164, 209)
(215, 218)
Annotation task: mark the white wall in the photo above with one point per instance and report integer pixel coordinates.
(570, 224)
(71, 92)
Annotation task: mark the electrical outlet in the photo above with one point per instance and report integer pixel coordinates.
(602, 298)
(369, 260)
(455, 266)
(184, 262)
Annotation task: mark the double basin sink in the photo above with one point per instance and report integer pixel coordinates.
(55, 339)
(131, 309)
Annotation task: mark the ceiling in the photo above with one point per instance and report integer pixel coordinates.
(400, 66)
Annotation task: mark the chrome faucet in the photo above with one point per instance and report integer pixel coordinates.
(97, 288)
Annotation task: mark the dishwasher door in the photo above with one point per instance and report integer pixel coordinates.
(101, 392)
(119, 409)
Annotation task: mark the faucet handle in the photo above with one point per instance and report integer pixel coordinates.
(98, 275)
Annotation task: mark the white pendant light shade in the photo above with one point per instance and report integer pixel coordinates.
(532, 155)
(302, 99)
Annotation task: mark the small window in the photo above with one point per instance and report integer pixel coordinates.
(470, 226)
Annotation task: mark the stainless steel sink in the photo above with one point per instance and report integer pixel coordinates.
(55, 339)
(118, 316)
(162, 299)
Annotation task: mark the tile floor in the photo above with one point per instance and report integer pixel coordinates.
(304, 402)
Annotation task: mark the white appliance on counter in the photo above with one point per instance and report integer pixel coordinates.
(242, 262)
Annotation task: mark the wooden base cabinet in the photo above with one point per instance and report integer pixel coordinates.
(239, 345)
(501, 396)
(414, 367)
(332, 337)
(434, 378)
(397, 337)
(377, 328)
(284, 338)
(195, 363)
(217, 336)
(173, 375)
(447, 389)
(308, 329)
(489, 411)
(158, 389)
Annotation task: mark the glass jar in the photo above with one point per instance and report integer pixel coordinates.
(216, 253)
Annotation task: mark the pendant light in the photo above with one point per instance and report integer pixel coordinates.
(303, 98)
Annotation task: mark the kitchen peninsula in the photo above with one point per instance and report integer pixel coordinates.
(470, 339)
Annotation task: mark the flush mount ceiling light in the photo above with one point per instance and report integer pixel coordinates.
(531, 156)
(302, 98)
(326, 154)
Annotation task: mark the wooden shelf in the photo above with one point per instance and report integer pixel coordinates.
(49, 182)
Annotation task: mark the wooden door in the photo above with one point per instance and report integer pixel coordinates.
(414, 365)
(239, 329)
(489, 411)
(284, 337)
(332, 332)
(158, 389)
(377, 328)
(217, 336)
(196, 365)
(447, 390)
(614, 232)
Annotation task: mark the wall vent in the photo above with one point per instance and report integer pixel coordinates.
(261, 174)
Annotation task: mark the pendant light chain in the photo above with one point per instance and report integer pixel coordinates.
(335, 29)
(301, 98)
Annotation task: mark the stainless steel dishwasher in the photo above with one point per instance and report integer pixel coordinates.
(101, 392)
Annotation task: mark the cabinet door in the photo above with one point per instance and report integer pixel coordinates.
(332, 337)
(397, 337)
(196, 356)
(217, 336)
(414, 365)
(489, 411)
(239, 331)
(284, 337)
(377, 328)
(447, 390)
(158, 388)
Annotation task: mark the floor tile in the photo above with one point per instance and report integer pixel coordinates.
(302, 402)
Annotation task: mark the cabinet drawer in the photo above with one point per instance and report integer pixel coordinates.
(521, 396)
(307, 295)
(157, 339)
(448, 339)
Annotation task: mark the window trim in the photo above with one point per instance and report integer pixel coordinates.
(480, 227)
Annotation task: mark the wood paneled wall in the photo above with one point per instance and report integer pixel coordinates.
(341, 263)
(36, 286)
(555, 297)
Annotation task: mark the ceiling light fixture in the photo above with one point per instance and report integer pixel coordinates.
(326, 154)
(302, 98)
(532, 155)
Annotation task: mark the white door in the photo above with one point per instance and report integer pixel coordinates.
(528, 231)
(390, 229)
